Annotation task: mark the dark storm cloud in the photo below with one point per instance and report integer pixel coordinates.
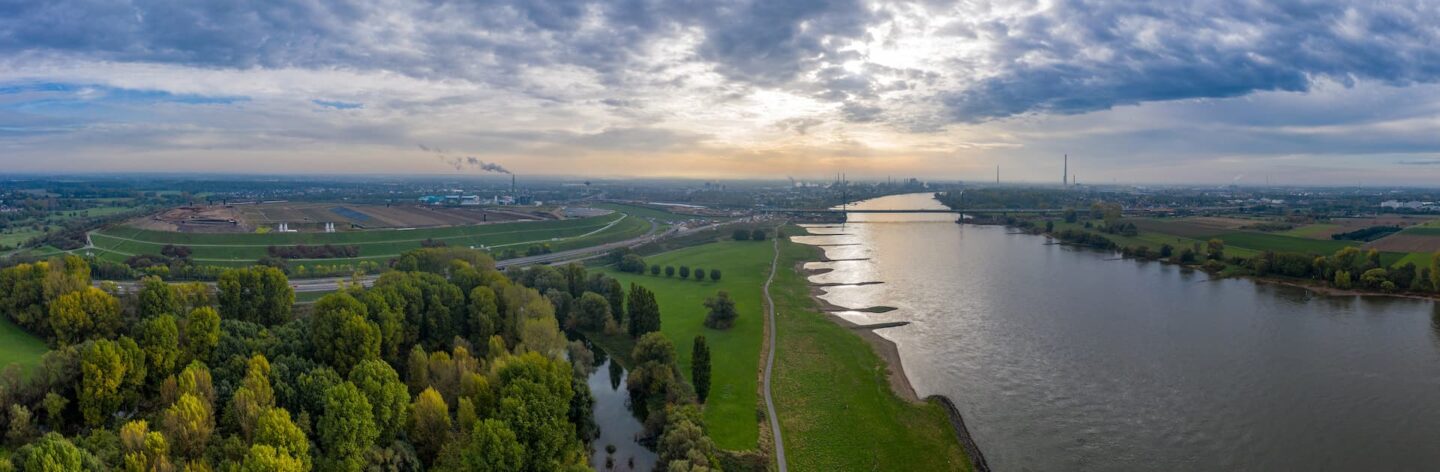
(749, 41)
(1076, 56)
(1087, 55)
(773, 42)
(1421, 162)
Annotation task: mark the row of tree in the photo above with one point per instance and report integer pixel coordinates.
(1366, 234)
(301, 251)
(756, 234)
(686, 272)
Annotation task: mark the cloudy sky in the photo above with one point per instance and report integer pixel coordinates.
(1295, 91)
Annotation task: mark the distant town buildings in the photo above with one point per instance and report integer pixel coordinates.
(476, 200)
(1410, 205)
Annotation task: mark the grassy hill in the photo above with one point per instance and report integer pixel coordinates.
(120, 242)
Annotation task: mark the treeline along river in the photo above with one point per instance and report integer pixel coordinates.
(1070, 359)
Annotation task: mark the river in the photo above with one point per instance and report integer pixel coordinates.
(1070, 359)
(618, 426)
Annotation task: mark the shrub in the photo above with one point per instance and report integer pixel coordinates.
(722, 311)
(632, 263)
(302, 251)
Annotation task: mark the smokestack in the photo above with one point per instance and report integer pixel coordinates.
(997, 174)
(512, 184)
(1064, 182)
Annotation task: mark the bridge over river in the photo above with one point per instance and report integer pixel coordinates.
(946, 210)
(991, 211)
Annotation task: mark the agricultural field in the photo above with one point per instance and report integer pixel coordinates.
(1194, 228)
(1277, 243)
(120, 242)
(1420, 259)
(18, 346)
(1407, 241)
(730, 412)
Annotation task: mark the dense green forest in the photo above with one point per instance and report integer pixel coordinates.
(444, 364)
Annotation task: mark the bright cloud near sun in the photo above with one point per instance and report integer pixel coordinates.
(1135, 91)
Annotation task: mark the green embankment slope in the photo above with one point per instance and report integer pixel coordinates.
(837, 410)
(120, 242)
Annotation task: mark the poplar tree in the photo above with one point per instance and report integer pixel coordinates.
(644, 311)
(700, 368)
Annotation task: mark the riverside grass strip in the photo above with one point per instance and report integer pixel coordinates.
(837, 409)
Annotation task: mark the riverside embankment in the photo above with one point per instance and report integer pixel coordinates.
(1060, 359)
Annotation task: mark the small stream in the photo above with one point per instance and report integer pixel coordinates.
(618, 426)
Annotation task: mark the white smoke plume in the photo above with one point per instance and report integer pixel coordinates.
(459, 163)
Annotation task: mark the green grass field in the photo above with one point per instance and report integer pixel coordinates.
(1179, 227)
(1423, 230)
(311, 297)
(836, 408)
(18, 346)
(646, 212)
(730, 412)
(118, 243)
(1277, 243)
(1312, 231)
(14, 239)
(1420, 259)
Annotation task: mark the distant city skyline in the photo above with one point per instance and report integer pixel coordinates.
(1217, 91)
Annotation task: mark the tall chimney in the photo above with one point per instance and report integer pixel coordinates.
(1065, 175)
(512, 184)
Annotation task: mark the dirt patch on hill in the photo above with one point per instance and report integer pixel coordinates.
(317, 216)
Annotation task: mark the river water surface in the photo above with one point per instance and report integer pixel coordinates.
(618, 426)
(1069, 359)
